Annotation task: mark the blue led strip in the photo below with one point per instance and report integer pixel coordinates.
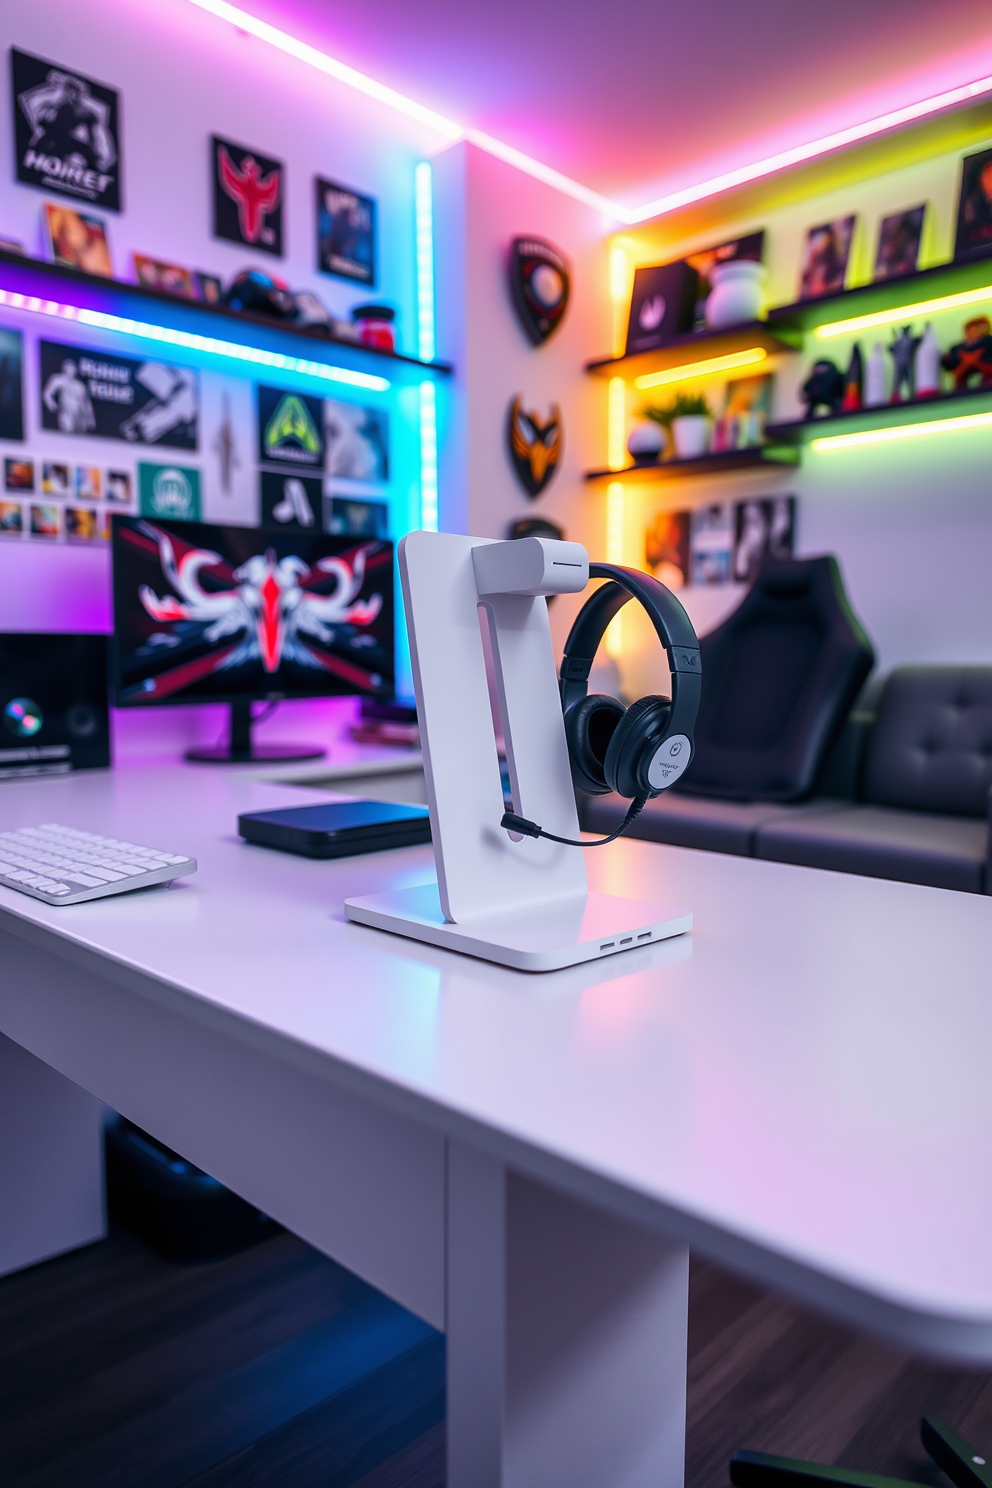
(428, 458)
(190, 341)
(425, 262)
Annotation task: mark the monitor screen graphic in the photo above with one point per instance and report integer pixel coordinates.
(205, 613)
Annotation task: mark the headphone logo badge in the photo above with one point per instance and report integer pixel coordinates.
(675, 749)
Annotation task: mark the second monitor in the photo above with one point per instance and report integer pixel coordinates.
(207, 614)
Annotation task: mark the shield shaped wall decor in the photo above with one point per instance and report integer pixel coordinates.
(539, 284)
(534, 444)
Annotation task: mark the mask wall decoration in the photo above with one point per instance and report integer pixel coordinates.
(539, 284)
(535, 445)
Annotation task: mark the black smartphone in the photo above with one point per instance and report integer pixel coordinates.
(338, 829)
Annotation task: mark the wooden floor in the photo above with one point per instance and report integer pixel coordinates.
(119, 1369)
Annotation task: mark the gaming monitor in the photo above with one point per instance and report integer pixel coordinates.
(234, 614)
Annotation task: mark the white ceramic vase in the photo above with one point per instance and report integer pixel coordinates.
(737, 294)
(876, 379)
(691, 436)
(646, 442)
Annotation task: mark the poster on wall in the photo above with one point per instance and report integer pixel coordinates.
(290, 428)
(11, 384)
(974, 233)
(357, 442)
(763, 528)
(345, 232)
(92, 393)
(248, 192)
(171, 491)
(66, 131)
(227, 439)
(291, 500)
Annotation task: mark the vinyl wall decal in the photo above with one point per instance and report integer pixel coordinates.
(539, 284)
(535, 445)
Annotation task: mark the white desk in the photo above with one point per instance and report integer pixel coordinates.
(800, 1089)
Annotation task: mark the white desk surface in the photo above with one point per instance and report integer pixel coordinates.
(800, 1087)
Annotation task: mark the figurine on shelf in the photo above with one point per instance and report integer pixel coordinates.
(823, 388)
(972, 357)
(876, 383)
(928, 365)
(902, 350)
(853, 383)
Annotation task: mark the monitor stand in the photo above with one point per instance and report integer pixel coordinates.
(240, 750)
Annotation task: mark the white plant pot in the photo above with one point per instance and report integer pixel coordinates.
(691, 436)
(737, 295)
(646, 442)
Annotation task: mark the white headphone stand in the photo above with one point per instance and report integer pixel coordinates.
(523, 903)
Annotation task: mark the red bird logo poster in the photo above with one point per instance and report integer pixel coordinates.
(248, 192)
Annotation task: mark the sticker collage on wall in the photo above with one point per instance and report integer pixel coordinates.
(119, 433)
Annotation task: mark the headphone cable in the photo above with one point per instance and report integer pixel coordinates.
(514, 823)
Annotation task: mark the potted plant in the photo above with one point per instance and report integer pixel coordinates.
(689, 419)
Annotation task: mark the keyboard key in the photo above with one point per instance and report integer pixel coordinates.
(85, 881)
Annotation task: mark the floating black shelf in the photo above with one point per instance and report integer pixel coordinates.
(314, 339)
(766, 455)
(887, 416)
(700, 346)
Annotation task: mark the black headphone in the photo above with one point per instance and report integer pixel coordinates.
(639, 751)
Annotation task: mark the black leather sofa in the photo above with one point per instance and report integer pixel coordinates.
(906, 792)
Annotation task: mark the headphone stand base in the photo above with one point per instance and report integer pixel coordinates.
(586, 927)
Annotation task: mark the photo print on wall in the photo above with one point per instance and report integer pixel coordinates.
(77, 240)
(899, 243)
(11, 384)
(825, 259)
(248, 193)
(290, 428)
(345, 232)
(974, 232)
(169, 491)
(763, 528)
(112, 397)
(66, 131)
(357, 442)
(291, 500)
(723, 543)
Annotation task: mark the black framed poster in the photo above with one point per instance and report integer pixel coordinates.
(345, 232)
(66, 131)
(248, 192)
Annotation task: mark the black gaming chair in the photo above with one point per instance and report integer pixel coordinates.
(779, 678)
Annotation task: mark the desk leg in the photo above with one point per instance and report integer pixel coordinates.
(51, 1162)
(566, 1339)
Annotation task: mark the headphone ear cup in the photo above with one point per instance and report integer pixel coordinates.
(590, 725)
(633, 744)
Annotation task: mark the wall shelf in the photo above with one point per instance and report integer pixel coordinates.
(798, 432)
(700, 346)
(30, 276)
(886, 295)
(767, 456)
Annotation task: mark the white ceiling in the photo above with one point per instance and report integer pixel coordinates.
(640, 97)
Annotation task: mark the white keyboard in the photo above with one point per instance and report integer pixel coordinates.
(64, 866)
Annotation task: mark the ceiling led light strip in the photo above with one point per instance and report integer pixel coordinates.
(705, 368)
(809, 151)
(834, 442)
(190, 341)
(904, 312)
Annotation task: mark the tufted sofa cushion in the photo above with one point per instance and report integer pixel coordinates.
(931, 746)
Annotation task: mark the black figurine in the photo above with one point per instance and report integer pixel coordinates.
(902, 350)
(823, 388)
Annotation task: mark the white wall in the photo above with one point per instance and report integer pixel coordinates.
(480, 205)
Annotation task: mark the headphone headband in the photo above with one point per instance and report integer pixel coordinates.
(670, 620)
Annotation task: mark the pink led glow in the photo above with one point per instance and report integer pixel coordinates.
(849, 120)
